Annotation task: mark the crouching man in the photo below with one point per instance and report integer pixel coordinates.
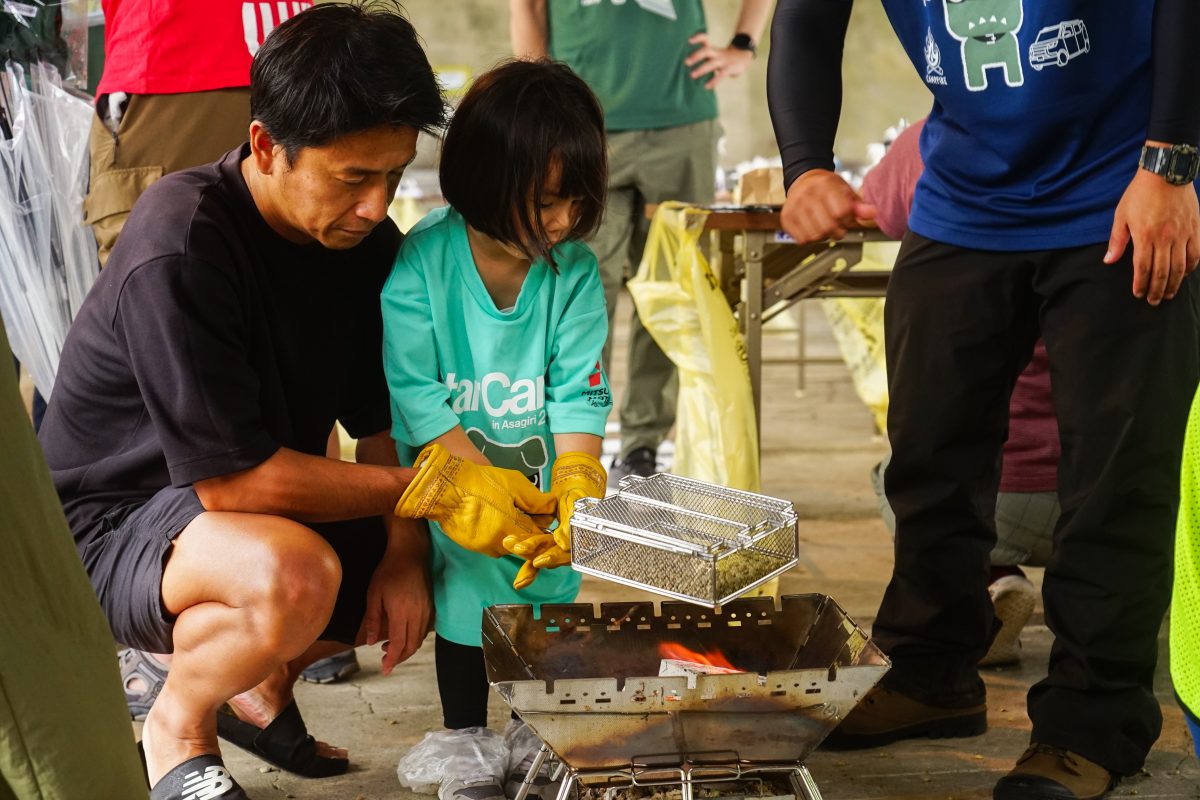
(238, 317)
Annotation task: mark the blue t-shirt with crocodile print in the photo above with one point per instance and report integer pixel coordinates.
(1040, 111)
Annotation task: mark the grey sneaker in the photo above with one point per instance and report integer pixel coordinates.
(524, 745)
(143, 676)
(641, 461)
(1014, 597)
(485, 789)
(337, 667)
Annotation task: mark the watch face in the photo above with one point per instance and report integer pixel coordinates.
(1183, 164)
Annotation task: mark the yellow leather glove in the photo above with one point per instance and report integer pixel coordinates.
(539, 552)
(575, 476)
(477, 506)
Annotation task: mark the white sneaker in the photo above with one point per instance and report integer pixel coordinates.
(1013, 597)
(524, 746)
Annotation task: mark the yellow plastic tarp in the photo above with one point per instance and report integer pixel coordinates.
(680, 304)
(857, 325)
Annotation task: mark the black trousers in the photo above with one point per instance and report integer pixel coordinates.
(960, 327)
(462, 684)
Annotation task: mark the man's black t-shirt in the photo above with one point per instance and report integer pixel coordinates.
(209, 342)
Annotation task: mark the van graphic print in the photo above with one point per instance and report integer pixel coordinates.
(1058, 44)
(987, 30)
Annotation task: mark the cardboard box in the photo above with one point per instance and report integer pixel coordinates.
(762, 186)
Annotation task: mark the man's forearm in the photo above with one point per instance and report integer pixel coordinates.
(804, 81)
(528, 28)
(307, 488)
(408, 539)
(1174, 112)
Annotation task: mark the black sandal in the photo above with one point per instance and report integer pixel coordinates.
(203, 776)
(285, 743)
(138, 666)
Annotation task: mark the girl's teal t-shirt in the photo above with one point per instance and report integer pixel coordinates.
(512, 379)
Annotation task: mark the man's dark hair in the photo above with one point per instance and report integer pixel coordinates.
(514, 126)
(340, 68)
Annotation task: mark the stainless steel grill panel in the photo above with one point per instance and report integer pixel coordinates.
(586, 679)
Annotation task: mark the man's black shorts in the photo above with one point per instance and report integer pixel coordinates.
(125, 563)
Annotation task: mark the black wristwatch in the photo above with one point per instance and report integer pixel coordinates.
(742, 41)
(1178, 164)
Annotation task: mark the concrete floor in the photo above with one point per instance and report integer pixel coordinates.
(819, 449)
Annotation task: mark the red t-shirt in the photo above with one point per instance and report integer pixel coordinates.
(174, 46)
(1032, 452)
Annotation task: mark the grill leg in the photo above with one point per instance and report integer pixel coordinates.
(538, 760)
(802, 784)
(685, 788)
(568, 784)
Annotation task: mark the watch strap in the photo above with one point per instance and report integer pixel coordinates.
(1178, 164)
(742, 41)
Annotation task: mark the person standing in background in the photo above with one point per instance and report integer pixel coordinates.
(1058, 200)
(654, 68)
(174, 94)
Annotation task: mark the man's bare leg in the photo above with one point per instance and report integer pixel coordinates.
(250, 593)
(260, 705)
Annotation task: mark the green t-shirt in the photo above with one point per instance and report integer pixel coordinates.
(512, 379)
(631, 53)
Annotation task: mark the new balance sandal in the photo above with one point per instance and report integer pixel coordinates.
(284, 743)
(200, 778)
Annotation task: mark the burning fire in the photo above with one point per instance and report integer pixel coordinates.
(713, 662)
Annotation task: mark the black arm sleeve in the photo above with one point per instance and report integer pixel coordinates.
(804, 81)
(1174, 112)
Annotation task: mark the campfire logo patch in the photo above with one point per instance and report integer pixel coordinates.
(934, 73)
(987, 30)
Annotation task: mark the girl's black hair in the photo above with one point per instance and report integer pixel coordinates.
(516, 124)
(341, 68)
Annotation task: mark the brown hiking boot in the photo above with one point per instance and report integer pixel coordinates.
(885, 716)
(1052, 773)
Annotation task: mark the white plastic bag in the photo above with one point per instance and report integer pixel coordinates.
(469, 754)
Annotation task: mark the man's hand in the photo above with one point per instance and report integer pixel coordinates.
(1163, 222)
(399, 610)
(721, 63)
(820, 205)
(476, 506)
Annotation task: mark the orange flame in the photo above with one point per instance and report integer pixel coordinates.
(714, 659)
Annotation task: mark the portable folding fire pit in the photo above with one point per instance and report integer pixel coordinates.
(588, 684)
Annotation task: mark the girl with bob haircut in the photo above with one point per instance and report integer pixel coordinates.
(494, 323)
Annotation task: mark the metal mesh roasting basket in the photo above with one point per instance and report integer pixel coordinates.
(684, 539)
